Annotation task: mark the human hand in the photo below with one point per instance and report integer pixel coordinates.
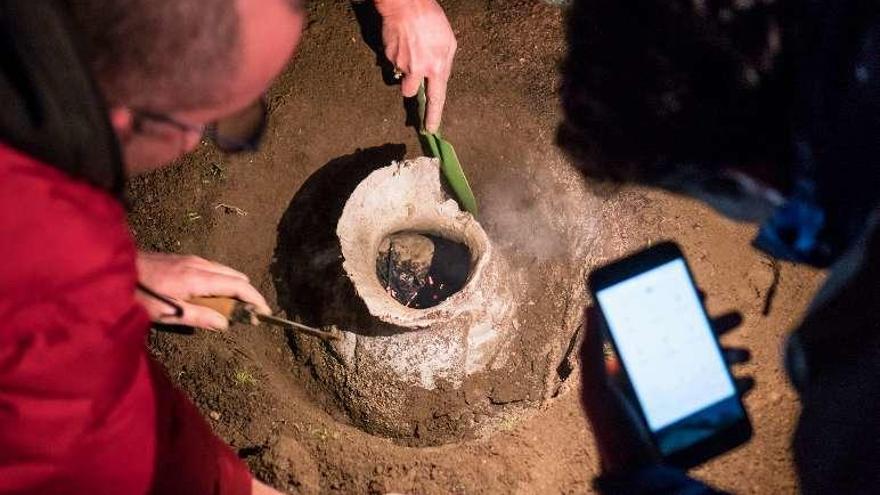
(420, 43)
(181, 278)
(622, 440)
(258, 488)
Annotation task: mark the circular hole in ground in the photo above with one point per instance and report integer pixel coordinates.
(421, 270)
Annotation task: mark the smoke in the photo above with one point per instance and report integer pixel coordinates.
(543, 211)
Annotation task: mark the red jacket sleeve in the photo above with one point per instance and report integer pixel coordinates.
(83, 408)
(189, 450)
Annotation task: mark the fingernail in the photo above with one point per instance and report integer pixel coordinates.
(219, 327)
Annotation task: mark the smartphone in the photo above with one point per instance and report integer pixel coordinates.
(673, 365)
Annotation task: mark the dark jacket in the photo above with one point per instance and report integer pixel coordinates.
(833, 358)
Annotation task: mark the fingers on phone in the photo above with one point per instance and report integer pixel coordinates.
(744, 385)
(736, 355)
(726, 322)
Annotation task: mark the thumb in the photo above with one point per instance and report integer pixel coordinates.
(198, 317)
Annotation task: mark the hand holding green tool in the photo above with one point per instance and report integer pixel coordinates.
(449, 164)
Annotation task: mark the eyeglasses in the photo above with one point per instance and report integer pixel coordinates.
(242, 131)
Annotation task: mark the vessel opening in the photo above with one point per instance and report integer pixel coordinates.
(421, 270)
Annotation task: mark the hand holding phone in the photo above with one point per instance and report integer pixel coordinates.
(672, 398)
(622, 441)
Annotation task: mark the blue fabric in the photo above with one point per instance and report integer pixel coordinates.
(795, 231)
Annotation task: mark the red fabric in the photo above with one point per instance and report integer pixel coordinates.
(83, 408)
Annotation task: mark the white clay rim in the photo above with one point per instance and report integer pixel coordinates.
(407, 197)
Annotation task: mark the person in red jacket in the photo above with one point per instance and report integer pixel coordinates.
(83, 407)
(94, 91)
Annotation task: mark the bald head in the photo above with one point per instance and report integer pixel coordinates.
(166, 55)
(190, 62)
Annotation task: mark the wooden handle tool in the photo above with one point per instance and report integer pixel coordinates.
(241, 312)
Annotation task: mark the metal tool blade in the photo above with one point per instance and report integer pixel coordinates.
(299, 327)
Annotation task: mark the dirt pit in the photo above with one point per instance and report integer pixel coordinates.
(440, 371)
(269, 214)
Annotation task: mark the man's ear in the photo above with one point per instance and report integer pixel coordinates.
(122, 121)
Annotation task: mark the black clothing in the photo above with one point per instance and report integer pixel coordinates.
(52, 109)
(833, 358)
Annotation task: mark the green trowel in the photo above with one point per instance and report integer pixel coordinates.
(449, 164)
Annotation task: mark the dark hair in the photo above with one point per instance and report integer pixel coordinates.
(159, 54)
(649, 85)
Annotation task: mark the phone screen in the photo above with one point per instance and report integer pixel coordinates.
(668, 349)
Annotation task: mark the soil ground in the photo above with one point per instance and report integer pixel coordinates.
(501, 115)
